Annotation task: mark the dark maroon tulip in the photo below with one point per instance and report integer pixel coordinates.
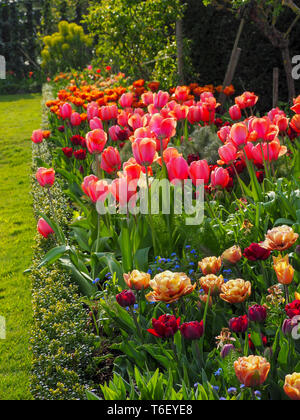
(165, 326)
(192, 330)
(68, 151)
(126, 298)
(257, 313)
(80, 154)
(256, 252)
(239, 325)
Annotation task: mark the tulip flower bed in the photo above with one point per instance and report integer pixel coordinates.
(194, 308)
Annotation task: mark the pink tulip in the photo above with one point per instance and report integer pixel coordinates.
(178, 168)
(282, 122)
(75, 119)
(182, 93)
(45, 177)
(163, 128)
(126, 100)
(147, 98)
(92, 110)
(136, 121)
(96, 123)
(224, 133)
(239, 134)
(180, 112)
(66, 111)
(123, 118)
(170, 154)
(194, 115)
(44, 229)
(235, 113)
(37, 136)
(98, 190)
(144, 151)
(111, 160)
(228, 153)
(96, 141)
(108, 113)
(123, 189)
(205, 96)
(160, 99)
(87, 180)
(199, 170)
(220, 178)
(261, 126)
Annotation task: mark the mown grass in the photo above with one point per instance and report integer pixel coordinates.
(19, 115)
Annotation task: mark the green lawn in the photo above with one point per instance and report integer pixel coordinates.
(19, 115)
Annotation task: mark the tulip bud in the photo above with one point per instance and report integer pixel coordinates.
(287, 326)
(257, 313)
(192, 330)
(126, 298)
(232, 255)
(226, 350)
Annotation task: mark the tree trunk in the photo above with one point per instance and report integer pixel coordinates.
(180, 55)
(285, 53)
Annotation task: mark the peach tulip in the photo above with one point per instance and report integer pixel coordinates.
(210, 265)
(292, 386)
(137, 280)
(168, 287)
(252, 371)
(283, 269)
(236, 291)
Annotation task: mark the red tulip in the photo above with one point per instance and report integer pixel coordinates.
(80, 154)
(45, 177)
(199, 170)
(44, 229)
(220, 178)
(194, 115)
(247, 99)
(123, 189)
(192, 330)
(165, 326)
(132, 169)
(126, 298)
(111, 160)
(96, 141)
(147, 98)
(68, 151)
(295, 123)
(235, 113)
(239, 325)
(293, 309)
(255, 252)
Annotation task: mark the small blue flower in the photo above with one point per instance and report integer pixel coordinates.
(218, 372)
(223, 399)
(192, 263)
(242, 386)
(232, 390)
(215, 388)
(188, 247)
(191, 272)
(174, 254)
(227, 271)
(196, 385)
(96, 280)
(177, 266)
(149, 271)
(257, 394)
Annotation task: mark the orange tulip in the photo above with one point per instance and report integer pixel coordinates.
(212, 283)
(169, 287)
(280, 238)
(137, 280)
(252, 371)
(210, 265)
(232, 255)
(284, 271)
(292, 386)
(235, 291)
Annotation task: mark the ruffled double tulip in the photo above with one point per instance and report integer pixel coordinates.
(111, 160)
(199, 171)
(44, 229)
(292, 386)
(169, 287)
(144, 151)
(232, 255)
(45, 177)
(257, 313)
(126, 298)
(255, 252)
(192, 330)
(252, 371)
(236, 291)
(220, 178)
(239, 325)
(166, 326)
(210, 265)
(293, 309)
(280, 238)
(96, 141)
(212, 283)
(137, 280)
(283, 269)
